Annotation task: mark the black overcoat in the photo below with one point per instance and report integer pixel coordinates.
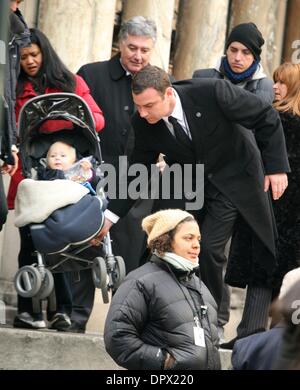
(110, 86)
(241, 269)
(111, 89)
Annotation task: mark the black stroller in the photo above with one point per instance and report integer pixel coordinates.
(62, 252)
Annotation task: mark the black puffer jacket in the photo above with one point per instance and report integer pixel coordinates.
(151, 313)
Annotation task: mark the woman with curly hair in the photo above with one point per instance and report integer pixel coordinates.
(162, 316)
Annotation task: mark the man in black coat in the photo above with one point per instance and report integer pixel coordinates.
(215, 116)
(110, 86)
(241, 65)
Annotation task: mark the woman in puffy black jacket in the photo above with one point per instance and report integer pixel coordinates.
(162, 316)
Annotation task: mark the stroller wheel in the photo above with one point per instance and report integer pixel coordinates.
(119, 272)
(105, 296)
(47, 285)
(28, 281)
(99, 272)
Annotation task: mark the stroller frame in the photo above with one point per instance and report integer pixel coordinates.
(36, 281)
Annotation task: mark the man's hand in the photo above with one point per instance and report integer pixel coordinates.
(278, 182)
(161, 163)
(96, 241)
(11, 169)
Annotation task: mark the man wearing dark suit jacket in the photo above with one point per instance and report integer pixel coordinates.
(241, 65)
(215, 115)
(110, 85)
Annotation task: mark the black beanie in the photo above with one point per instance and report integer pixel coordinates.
(249, 35)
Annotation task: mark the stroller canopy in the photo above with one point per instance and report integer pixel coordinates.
(56, 117)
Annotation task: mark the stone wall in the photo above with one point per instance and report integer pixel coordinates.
(191, 33)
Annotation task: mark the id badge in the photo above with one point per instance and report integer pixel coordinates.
(199, 336)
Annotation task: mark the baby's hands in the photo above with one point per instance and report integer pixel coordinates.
(77, 178)
(85, 165)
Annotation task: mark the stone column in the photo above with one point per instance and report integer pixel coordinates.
(29, 9)
(162, 13)
(292, 37)
(81, 31)
(200, 35)
(269, 16)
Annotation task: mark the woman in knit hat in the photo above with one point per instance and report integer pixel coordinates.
(162, 316)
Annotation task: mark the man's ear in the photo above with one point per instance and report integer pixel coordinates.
(169, 92)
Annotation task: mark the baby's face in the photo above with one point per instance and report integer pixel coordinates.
(61, 156)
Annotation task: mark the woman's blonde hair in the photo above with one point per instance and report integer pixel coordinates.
(289, 74)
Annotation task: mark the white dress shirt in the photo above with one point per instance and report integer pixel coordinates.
(178, 114)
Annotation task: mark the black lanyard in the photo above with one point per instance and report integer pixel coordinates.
(190, 300)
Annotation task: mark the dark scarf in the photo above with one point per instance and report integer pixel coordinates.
(234, 77)
(44, 173)
(38, 83)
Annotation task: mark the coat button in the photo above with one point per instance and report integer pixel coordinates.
(198, 114)
(126, 108)
(124, 132)
(210, 175)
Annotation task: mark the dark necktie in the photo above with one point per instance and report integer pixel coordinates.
(180, 134)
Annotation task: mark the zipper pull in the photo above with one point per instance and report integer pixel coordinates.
(197, 322)
(203, 310)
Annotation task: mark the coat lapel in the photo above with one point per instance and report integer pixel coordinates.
(194, 118)
(115, 68)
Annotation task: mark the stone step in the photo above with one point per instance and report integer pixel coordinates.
(51, 350)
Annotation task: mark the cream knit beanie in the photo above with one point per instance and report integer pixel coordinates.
(290, 279)
(162, 222)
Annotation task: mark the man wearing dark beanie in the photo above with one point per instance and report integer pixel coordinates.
(241, 63)
(249, 35)
(241, 66)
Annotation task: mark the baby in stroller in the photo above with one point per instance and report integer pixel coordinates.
(63, 215)
(60, 164)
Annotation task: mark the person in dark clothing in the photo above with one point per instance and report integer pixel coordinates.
(258, 351)
(287, 209)
(278, 347)
(19, 37)
(215, 115)
(241, 65)
(110, 85)
(162, 316)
